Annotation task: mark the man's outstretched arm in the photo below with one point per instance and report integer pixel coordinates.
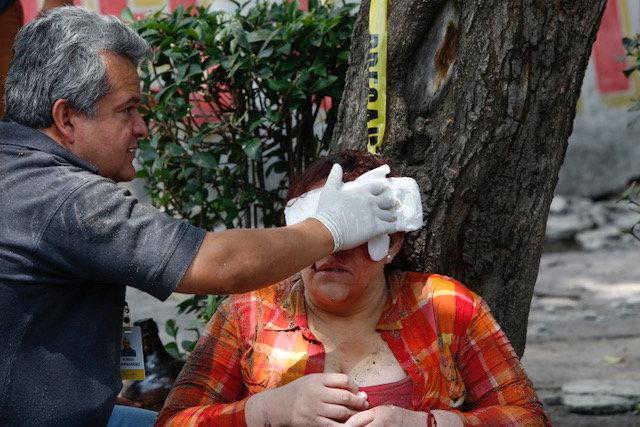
(242, 260)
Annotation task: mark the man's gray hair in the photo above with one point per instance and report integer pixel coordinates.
(58, 56)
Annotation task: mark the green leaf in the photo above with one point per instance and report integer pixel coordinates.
(188, 345)
(264, 73)
(274, 116)
(205, 160)
(256, 123)
(127, 15)
(343, 56)
(194, 70)
(265, 53)
(229, 61)
(142, 173)
(170, 328)
(174, 149)
(323, 83)
(181, 71)
(212, 303)
(146, 154)
(628, 43)
(285, 49)
(253, 148)
(258, 35)
(278, 85)
(192, 32)
(148, 33)
(172, 349)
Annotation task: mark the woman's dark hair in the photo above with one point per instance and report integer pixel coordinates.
(354, 163)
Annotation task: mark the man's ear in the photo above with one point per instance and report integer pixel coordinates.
(63, 113)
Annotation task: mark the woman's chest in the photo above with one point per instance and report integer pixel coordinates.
(279, 357)
(367, 360)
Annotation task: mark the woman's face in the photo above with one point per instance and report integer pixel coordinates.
(347, 277)
(343, 277)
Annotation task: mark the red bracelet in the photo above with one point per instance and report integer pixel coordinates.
(431, 419)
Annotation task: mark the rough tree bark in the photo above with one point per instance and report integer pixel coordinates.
(481, 100)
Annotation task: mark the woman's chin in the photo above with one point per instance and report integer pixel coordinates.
(332, 293)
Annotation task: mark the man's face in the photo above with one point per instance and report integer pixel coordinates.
(109, 140)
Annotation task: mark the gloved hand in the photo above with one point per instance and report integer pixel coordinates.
(356, 215)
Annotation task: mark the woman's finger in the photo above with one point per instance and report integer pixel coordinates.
(343, 397)
(336, 412)
(361, 419)
(322, 421)
(340, 381)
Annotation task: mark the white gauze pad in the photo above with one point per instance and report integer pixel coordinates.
(408, 208)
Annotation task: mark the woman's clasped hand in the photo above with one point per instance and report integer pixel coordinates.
(314, 399)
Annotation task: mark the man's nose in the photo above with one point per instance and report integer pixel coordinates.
(140, 129)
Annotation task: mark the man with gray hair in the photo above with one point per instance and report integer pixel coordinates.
(71, 239)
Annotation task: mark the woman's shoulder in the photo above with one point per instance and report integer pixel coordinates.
(434, 285)
(444, 295)
(263, 301)
(269, 294)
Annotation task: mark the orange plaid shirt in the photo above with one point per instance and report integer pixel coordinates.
(441, 333)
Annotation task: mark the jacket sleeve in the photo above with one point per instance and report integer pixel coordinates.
(210, 388)
(498, 390)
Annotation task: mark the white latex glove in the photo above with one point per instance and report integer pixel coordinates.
(379, 245)
(356, 215)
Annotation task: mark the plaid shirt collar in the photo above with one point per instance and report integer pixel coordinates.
(292, 313)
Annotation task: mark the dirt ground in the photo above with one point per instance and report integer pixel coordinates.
(584, 324)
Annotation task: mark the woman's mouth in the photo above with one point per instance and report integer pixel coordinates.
(327, 268)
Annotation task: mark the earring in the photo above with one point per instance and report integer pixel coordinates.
(389, 258)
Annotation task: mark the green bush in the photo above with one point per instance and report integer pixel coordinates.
(632, 47)
(234, 107)
(632, 194)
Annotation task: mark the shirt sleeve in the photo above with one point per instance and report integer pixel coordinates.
(101, 233)
(210, 389)
(498, 389)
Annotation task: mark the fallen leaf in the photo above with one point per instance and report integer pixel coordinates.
(614, 359)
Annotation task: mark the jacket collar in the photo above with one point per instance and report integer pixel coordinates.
(290, 313)
(12, 133)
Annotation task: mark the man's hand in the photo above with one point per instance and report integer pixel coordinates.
(313, 400)
(355, 216)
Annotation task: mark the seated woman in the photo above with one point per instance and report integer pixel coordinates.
(423, 348)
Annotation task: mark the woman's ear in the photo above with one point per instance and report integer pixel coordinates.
(395, 243)
(62, 113)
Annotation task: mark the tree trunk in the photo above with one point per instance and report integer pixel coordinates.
(480, 104)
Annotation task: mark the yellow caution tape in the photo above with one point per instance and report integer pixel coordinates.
(377, 68)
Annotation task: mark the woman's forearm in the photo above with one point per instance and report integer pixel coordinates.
(216, 414)
(506, 415)
(259, 410)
